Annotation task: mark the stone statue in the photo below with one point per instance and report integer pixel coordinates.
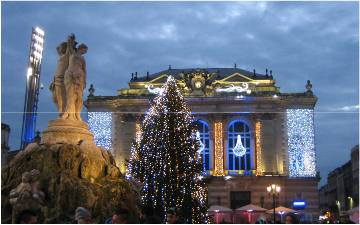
(22, 190)
(75, 79)
(36, 193)
(57, 87)
(68, 85)
(28, 194)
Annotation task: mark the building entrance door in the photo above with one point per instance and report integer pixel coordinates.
(240, 199)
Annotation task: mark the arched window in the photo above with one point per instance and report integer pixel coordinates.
(242, 161)
(204, 136)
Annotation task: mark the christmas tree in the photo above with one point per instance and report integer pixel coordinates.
(165, 158)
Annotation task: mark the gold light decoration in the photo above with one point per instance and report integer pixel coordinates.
(258, 149)
(138, 132)
(219, 155)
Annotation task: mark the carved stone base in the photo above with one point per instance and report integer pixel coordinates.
(60, 130)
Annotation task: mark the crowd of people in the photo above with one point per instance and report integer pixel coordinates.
(120, 216)
(148, 216)
(292, 218)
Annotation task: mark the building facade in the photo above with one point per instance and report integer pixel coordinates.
(341, 193)
(354, 198)
(5, 148)
(252, 134)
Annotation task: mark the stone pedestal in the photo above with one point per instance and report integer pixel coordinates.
(66, 130)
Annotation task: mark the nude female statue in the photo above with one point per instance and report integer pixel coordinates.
(75, 79)
(57, 87)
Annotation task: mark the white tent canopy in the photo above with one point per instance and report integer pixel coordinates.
(251, 207)
(353, 210)
(220, 209)
(281, 209)
(354, 214)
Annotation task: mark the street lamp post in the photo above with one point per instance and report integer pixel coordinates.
(281, 214)
(350, 202)
(274, 188)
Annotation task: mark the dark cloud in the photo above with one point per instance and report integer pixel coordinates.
(298, 41)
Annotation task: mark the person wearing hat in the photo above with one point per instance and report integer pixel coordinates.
(345, 218)
(82, 216)
(173, 216)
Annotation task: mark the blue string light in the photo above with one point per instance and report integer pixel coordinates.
(301, 142)
(100, 126)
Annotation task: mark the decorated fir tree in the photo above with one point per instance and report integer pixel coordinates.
(165, 158)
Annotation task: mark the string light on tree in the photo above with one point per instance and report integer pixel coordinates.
(165, 157)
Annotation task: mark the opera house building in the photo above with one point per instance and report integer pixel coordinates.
(252, 135)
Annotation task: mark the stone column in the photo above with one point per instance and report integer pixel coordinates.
(268, 144)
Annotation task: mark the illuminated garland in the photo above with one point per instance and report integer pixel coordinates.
(138, 132)
(301, 142)
(219, 157)
(155, 90)
(100, 126)
(258, 149)
(232, 88)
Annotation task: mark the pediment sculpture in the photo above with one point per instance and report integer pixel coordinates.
(195, 79)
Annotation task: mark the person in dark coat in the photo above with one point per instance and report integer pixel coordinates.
(121, 216)
(291, 218)
(27, 217)
(147, 215)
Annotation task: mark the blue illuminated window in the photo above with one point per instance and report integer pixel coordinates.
(203, 129)
(245, 161)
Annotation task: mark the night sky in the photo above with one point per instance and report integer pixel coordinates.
(298, 41)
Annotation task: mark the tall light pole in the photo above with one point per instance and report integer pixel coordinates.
(274, 189)
(32, 87)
